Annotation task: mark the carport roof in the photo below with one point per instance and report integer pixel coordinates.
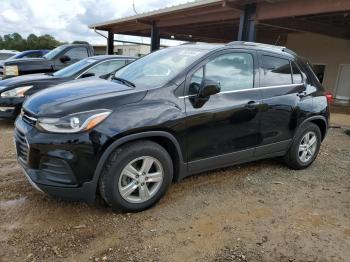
(218, 20)
(153, 14)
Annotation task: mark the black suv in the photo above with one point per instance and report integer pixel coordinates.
(175, 112)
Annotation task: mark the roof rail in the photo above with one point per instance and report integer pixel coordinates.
(263, 46)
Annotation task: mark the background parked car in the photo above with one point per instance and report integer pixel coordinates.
(13, 91)
(5, 54)
(54, 60)
(29, 54)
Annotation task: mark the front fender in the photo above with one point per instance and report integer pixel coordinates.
(134, 137)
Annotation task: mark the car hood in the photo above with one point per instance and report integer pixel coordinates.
(34, 64)
(24, 80)
(81, 95)
(24, 60)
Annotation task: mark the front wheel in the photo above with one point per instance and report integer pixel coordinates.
(305, 147)
(136, 176)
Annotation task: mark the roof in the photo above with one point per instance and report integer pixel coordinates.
(263, 47)
(156, 12)
(82, 44)
(241, 45)
(103, 57)
(203, 46)
(36, 50)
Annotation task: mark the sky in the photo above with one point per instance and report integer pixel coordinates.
(68, 20)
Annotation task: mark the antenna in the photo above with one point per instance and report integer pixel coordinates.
(278, 39)
(133, 7)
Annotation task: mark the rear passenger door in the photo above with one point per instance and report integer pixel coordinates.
(282, 90)
(225, 129)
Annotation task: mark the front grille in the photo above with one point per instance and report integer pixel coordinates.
(29, 118)
(21, 146)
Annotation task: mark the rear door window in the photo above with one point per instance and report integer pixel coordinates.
(77, 53)
(33, 55)
(276, 71)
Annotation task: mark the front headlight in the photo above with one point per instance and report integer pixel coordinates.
(73, 123)
(11, 70)
(16, 92)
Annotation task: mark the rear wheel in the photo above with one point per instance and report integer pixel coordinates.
(305, 147)
(136, 176)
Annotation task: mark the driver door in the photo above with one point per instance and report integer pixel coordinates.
(226, 129)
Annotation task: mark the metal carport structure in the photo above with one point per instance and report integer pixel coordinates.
(267, 21)
(316, 29)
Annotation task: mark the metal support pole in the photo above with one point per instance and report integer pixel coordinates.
(110, 43)
(155, 38)
(247, 24)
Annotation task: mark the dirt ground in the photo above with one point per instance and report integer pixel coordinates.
(260, 211)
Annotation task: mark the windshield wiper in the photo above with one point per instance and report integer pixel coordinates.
(124, 81)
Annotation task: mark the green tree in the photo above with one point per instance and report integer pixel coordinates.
(32, 41)
(16, 42)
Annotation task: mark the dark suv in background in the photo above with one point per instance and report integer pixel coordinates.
(175, 112)
(14, 90)
(52, 61)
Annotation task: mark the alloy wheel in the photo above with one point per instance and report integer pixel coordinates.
(140, 179)
(307, 147)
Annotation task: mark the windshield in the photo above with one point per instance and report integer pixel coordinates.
(158, 68)
(74, 68)
(50, 55)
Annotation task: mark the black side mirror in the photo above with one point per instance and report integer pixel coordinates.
(64, 58)
(87, 75)
(208, 88)
(107, 76)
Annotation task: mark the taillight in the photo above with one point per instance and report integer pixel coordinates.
(329, 97)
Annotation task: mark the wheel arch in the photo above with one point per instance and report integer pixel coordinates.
(320, 121)
(163, 138)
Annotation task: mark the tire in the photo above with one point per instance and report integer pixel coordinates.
(298, 159)
(123, 172)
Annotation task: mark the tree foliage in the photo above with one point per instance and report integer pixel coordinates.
(16, 42)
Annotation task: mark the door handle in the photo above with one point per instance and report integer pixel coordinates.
(252, 104)
(302, 93)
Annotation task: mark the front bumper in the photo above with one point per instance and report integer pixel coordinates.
(86, 192)
(60, 165)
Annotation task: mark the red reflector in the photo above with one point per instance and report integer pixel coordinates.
(329, 96)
